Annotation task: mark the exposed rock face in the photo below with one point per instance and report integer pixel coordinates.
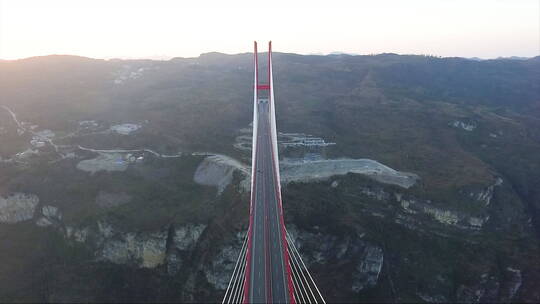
(143, 249)
(463, 125)
(187, 236)
(181, 242)
(51, 215)
(43, 222)
(217, 170)
(219, 272)
(105, 230)
(51, 212)
(79, 235)
(174, 263)
(378, 194)
(368, 269)
(492, 287)
(412, 205)
(444, 216)
(325, 249)
(17, 207)
(486, 194)
(513, 281)
(304, 171)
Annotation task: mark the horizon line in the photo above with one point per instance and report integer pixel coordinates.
(163, 57)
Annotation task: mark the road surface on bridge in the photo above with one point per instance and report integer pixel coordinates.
(268, 277)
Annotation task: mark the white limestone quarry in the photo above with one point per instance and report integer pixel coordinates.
(17, 207)
(217, 170)
(305, 171)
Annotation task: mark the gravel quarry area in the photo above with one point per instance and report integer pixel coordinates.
(216, 170)
(304, 171)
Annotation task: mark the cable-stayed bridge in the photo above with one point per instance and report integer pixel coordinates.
(269, 268)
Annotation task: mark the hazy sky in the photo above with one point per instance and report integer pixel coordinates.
(146, 29)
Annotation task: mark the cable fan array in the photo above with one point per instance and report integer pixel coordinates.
(305, 289)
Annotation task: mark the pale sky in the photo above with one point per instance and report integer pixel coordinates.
(186, 28)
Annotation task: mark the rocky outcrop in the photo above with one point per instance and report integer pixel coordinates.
(512, 283)
(305, 171)
(174, 262)
(443, 216)
(217, 170)
(149, 250)
(484, 195)
(219, 272)
(495, 287)
(17, 207)
(79, 235)
(368, 268)
(43, 222)
(467, 126)
(377, 194)
(327, 249)
(140, 249)
(143, 249)
(411, 205)
(50, 215)
(185, 237)
(181, 242)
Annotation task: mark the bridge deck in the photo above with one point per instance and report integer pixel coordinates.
(268, 277)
